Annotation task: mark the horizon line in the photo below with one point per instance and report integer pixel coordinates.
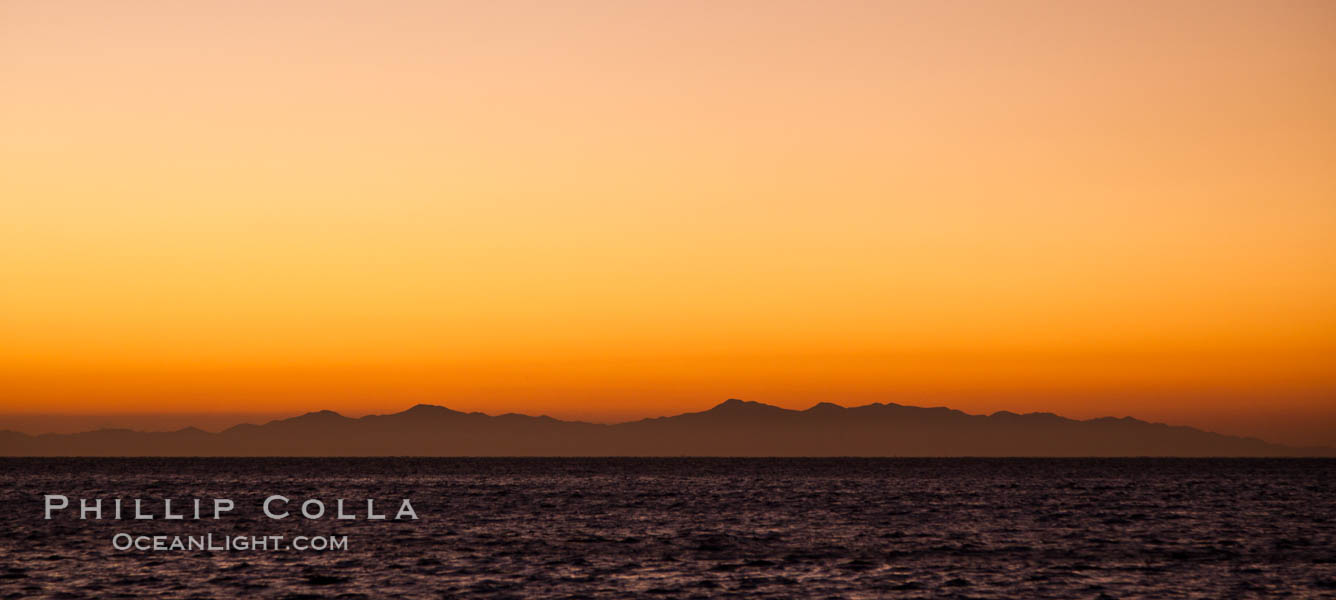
(725, 403)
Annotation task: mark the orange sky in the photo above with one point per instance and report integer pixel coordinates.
(616, 209)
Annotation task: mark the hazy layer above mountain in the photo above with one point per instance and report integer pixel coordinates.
(732, 428)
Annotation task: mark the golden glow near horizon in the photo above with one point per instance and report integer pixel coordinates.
(615, 209)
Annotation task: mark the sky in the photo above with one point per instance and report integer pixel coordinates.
(610, 210)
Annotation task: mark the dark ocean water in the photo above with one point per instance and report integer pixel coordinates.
(692, 528)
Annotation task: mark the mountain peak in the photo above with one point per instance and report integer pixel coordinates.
(319, 416)
(733, 404)
(825, 406)
(424, 409)
(741, 411)
(322, 414)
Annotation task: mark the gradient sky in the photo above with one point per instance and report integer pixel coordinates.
(608, 210)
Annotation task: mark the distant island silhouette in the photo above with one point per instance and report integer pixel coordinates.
(732, 428)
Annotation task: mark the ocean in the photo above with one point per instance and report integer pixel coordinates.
(676, 528)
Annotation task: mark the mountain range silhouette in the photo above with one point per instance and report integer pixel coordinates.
(732, 428)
